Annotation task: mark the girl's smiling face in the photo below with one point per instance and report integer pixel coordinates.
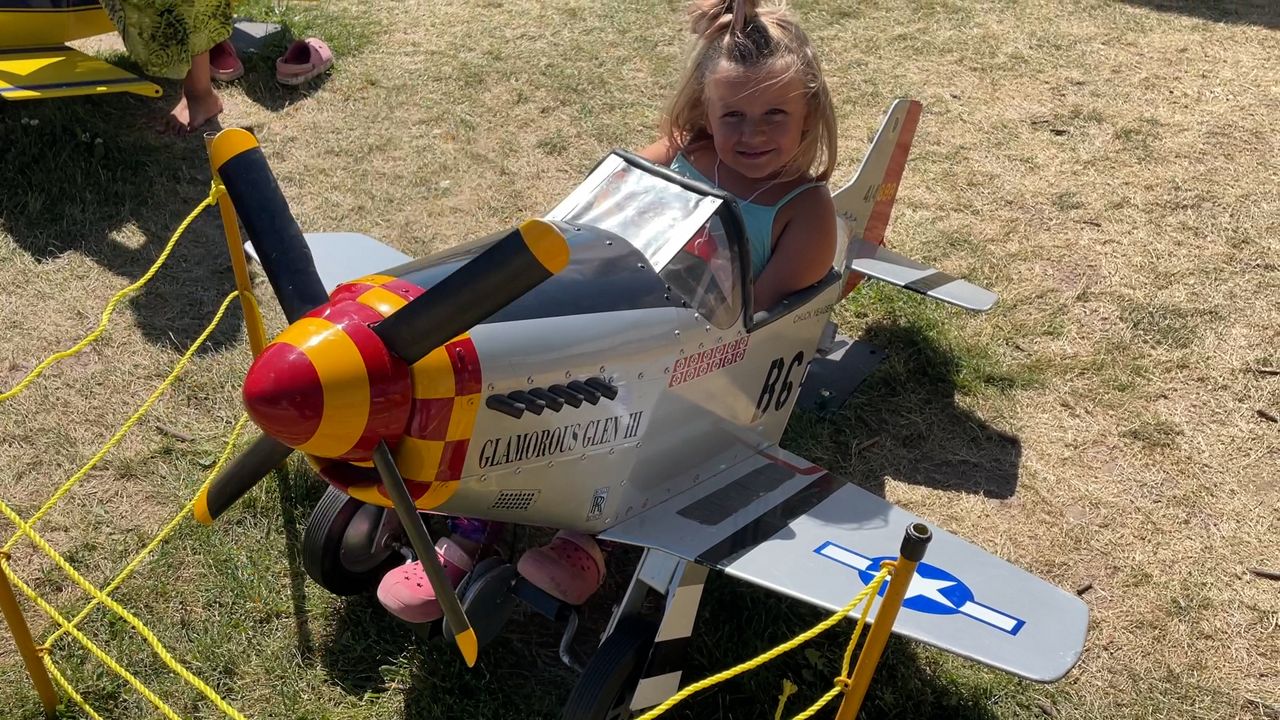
(756, 118)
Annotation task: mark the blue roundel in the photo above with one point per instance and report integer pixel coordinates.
(933, 590)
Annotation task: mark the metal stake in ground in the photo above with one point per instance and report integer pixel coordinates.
(425, 549)
(26, 646)
(914, 544)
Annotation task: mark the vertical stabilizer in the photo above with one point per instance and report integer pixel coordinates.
(866, 202)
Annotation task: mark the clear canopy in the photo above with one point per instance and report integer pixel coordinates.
(658, 217)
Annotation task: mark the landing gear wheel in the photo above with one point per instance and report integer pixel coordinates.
(485, 594)
(338, 546)
(609, 681)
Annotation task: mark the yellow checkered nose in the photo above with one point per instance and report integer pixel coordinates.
(329, 387)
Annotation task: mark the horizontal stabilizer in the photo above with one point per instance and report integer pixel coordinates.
(344, 256)
(779, 522)
(881, 263)
(50, 72)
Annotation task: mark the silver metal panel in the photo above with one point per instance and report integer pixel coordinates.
(343, 256)
(598, 443)
(656, 216)
(833, 378)
(657, 569)
(963, 599)
(894, 268)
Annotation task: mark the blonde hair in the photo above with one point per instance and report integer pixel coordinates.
(752, 38)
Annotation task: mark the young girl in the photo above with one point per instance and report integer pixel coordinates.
(752, 115)
(173, 39)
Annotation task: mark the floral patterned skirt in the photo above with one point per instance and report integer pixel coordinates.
(163, 35)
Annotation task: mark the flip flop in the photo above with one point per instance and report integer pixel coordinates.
(224, 64)
(303, 60)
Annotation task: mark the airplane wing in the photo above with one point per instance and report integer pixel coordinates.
(343, 256)
(777, 521)
(881, 263)
(35, 64)
(31, 73)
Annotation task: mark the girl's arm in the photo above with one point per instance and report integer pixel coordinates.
(804, 252)
(659, 153)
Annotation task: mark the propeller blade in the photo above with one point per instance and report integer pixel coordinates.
(425, 549)
(495, 278)
(285, 257)
(239, 477)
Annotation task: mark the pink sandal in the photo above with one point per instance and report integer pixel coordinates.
(303, 60)
(224, 64)
(407, 593)
(570, 567)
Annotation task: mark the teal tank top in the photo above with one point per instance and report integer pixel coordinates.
(757, 218)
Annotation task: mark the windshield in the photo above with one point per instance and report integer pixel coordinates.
(656, 216)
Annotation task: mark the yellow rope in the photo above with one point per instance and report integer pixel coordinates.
(67, 690)
(128, 425)
(125, 615)
(164, 533)
(867, 592)
(101, 596)
(842, 681)
(89, 645)
(214, 192)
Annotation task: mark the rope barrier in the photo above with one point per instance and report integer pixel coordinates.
(164, 532)
(214, 192)
(869, 591)
(101, 597)
(125, 615)
(68, 690)
(128, 425)
(88, 644)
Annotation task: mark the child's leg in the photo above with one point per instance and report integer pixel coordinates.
(570, 567)
(407, 593)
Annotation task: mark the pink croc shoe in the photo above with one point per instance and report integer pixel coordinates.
(303, 60)
(407, 593)
(570, 567)
(224, 64)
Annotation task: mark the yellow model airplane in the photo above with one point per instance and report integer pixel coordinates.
(36, 63)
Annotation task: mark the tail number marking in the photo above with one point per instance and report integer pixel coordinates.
(777, 387)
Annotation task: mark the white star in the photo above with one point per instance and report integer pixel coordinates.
(929, 587)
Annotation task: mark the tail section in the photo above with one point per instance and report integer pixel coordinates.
(866, 202)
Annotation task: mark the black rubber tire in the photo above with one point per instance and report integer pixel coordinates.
(611, 676)
(322, 546)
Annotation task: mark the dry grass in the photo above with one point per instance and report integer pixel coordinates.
(1108, 167)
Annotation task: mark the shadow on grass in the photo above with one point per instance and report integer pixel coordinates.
(81, 173)
(518, 675)
(259, 80)
(84, 174)
(1265, 13)
(904, 423)
(739, 621)
(299, 492)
